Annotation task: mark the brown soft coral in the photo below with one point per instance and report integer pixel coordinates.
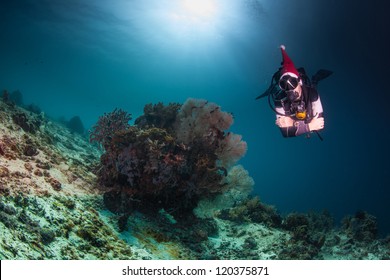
(169, 159)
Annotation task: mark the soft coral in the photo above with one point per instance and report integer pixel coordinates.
(108, 125)
(165, 164)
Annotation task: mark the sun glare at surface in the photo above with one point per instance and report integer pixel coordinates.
(193, 19)
(200, 8)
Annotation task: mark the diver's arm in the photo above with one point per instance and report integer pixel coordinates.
(298, 128)
(317, 108)
(292, 128)
(289, 127)
(317, 123)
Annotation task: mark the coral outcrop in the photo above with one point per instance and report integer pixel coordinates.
(170, 159)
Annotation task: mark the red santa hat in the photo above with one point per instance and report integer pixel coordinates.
(288, 67)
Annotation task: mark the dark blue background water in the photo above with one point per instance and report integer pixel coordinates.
(88, 57)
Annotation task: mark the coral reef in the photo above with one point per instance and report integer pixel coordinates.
(239, 186)
(48, 193)
(308, 232)
(159, 116)
(108, 125)
(252, 210)
(52, 205)
(362, 226)
(170, 159)
(200, 120)
(40, 157)
(26, 123)
(56, 227)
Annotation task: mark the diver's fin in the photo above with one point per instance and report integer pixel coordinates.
(301, 70)
(266, 93)
(271, 89)
(320, 75)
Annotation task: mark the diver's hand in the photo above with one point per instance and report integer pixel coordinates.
(283, 121)
(316, 123)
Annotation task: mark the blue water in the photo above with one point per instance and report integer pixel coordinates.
(88, 57)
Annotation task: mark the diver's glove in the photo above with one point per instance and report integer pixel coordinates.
(316, 123)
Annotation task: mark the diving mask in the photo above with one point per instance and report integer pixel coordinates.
(288, 82)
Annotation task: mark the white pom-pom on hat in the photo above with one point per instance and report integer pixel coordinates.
(283, 47)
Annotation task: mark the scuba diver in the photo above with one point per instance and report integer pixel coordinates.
(296, 101)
